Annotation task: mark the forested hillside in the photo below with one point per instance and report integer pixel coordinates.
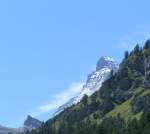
(121, 106)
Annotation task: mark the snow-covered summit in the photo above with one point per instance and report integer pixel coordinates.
(94, 81)
(107, 62)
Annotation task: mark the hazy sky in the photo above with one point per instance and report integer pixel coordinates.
(47, 48)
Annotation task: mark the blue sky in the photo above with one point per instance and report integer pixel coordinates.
(47, 48)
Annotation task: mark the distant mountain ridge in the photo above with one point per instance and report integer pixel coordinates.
(94, 81)
(6, 130)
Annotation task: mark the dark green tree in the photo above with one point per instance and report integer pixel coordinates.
(126, 54)
(147, 44)
(85, 99)
(136, 49)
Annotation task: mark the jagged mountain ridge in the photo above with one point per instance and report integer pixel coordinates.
(94, 81)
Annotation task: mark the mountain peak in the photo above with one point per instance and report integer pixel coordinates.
(29, 117)
(31, 123)
(94, 80)
(106, 61)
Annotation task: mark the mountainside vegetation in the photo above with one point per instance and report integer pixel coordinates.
(121, 106)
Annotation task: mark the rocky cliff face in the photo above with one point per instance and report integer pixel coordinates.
(94, 81)
(31, 123)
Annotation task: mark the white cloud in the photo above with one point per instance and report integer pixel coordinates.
(59, 99)
(129, 41)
